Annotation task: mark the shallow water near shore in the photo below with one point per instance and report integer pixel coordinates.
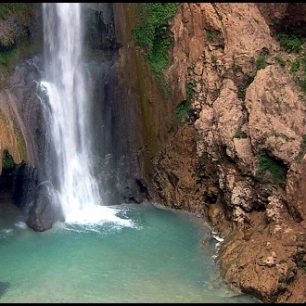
(160, 257)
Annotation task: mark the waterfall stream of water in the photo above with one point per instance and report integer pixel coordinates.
(70, 130)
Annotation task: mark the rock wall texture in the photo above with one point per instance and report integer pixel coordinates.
(22, 130)
(238, 160)
(20, 36)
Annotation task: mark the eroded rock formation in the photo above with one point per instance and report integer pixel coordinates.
(238, 161)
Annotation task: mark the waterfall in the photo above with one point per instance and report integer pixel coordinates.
(73, 184)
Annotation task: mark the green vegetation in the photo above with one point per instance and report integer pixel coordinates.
(293, 42)
(290, 42)
(7, 56)
(299, 259)
(25, 48)
(183, 111)
(7, 160)
(20, 10)
(280, 61)
(302, 152)
(241, 93)
(151, 33)
(189, 91)
(299, 74)
(260, 62)
(214, 36)
(295, 65)
(302, 84)
(209, 35)
(267, 163)
(224, 157)
(240, 134)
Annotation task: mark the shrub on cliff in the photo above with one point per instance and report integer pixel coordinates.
(151, 33)
(290, 43)
(267, 163)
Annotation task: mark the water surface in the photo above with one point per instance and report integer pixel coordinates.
(160, 258)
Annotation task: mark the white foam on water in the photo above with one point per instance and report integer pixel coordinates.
(21, 225)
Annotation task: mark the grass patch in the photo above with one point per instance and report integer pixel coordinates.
(152, 35)
(269, 164)
(261, 62)
(290, 42)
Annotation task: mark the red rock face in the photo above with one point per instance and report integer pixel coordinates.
(247, 116)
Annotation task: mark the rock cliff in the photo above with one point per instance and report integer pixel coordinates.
(238, 157)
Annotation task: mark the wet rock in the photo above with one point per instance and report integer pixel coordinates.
(44, 211)
(99, 26)
(24, 184)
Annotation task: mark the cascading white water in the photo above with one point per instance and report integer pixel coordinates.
(65, 86)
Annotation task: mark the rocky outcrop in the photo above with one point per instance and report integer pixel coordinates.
(22, 131)
(11, 138)
(44, 210)
(238, 160)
